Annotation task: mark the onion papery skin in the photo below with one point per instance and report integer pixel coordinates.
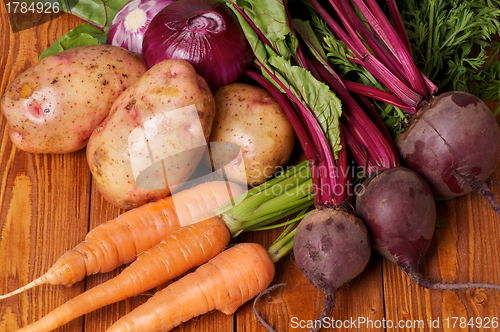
(131, 40)
(205, 33)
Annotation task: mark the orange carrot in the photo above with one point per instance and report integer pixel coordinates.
(120, 240)
(224, 283)
(179, 252)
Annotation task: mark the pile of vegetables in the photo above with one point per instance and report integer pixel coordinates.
(318, 74)
(396, 205)
(440, 143)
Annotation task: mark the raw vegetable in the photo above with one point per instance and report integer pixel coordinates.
(467, 157)
(119, 241)
(399, 210)
(130, 23)
(224, 283)
(331, 247)
(203, 32)
(392, 64)
(395, 208)
(251, 118)
(396, 204)
(154, 137)
(184, 249)
(45, 104)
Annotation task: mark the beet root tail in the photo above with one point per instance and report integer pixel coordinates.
(420, 280)
(327, 309)
(257, 313)
(490, 196)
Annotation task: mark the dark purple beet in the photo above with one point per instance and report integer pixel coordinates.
(399, 211)
(331, 247)
(454, 143)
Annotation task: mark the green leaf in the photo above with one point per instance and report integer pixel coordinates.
(99, 13)
(304, 27)
(252, 37)
(271, 19)
(459, 44)
(316, 95)
(82, 35)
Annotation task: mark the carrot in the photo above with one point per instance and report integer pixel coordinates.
(225, 283)
(120, 240)
(179, 252)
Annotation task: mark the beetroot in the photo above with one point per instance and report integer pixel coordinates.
(398, 209)
(454, 143)
(331, 247)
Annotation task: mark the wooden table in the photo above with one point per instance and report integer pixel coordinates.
(49, 202)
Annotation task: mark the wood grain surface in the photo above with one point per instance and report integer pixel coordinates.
(48, 203)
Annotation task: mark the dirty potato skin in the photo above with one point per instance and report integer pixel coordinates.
(144, 109)
(54, 106)
(250, 117)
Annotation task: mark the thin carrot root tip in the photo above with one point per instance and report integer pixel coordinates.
(257, 313)
(34, 283)
(50, 277)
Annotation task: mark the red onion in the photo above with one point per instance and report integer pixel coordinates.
(204, 32)
(130, 23)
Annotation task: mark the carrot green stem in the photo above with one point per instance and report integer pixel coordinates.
(282, 247)
(279, 214)
(266, 220)
(432, 4)
(286, 223)
(289, 192)
(250, 207)
(497, 111)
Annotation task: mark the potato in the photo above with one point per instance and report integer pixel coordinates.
(250, 117)
(154, 137)
(54, 106)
